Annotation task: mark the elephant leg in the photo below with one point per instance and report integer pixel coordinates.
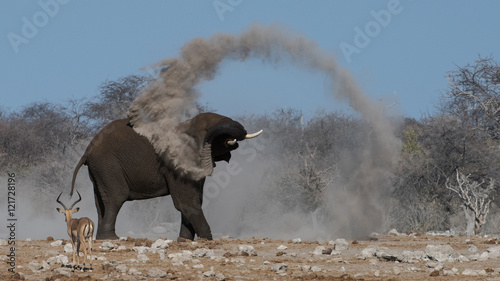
(108, 206)
(188, 197)
(187, 229)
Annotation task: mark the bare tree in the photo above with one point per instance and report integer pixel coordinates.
(474, 95)
(475, 198)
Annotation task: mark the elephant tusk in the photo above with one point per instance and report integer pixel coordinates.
(231, 142)
(251, 136)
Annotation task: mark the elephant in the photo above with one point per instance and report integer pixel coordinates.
(124, 166)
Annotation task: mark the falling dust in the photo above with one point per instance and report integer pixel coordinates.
(167, 102)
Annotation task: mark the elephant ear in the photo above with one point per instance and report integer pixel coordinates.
(207, 134)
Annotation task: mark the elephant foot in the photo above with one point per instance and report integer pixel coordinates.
(106, 236)
(182, 239)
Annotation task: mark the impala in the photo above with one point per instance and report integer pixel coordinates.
(79, 230)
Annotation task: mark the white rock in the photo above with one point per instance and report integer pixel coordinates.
(63, 271)
(198, 266)
(440, 253)
(134, 271)
(156, 273)
(472, 249)
(494, 252)
(106, 245)
(209, 273)
(484, 256)
(318, 250)
(121, 268)
(59, 259)
(29, 239)
(68, 248)
(247, 250)
(123, 238)
(142, 258)
(279, 267)
(282, 247)
(305, 268)
(340, 245)
(203, 253)
(393, 232)
(315, 268)
(368, 252)
(220, 277)
(462, 258)
(57, 243)
(180, 258)
(161, 244)
(4, 242)
(397, 270)
(297, 240)
(121, 248)
(141, 250)
(473, 272)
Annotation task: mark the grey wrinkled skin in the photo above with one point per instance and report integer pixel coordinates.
(124, 166)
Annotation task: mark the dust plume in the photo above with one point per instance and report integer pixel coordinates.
(165, 103)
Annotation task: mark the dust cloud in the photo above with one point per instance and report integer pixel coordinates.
(167, 101)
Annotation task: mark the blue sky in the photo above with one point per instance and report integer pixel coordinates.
(55, 50)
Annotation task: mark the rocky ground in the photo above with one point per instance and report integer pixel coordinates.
(384, 257)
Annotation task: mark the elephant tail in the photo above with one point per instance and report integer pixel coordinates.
(78, 166)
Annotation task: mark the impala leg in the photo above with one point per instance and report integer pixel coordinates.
(90, 250)
(74, 250)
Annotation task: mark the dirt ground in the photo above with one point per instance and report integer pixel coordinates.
(224, 259)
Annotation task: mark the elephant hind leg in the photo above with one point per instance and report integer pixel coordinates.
(107, 210)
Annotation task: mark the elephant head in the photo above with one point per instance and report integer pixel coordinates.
(210, 137)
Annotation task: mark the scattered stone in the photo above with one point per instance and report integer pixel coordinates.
(315, 268)
(57, 243)
(121, 248)
(36, 266)
(282, 247)
(59, 259)
(319, 250)
(106, 245)
(297, 240)
(220, 277)
(142, 258)
(133, 271)
(340, 245)
(141, 249)
(472, 248)
(393, 232)
(305, 268)
(279, 268)
(161, 244)
(4, 242)
(156, 273)
(121, 268)
(327, 251)
(63, 271)
(198, 266)
(68, 248)
(123, 238)
(203, 253)
(447, 272)
(180, 258)
(439, 253)
(247, 250)
(494, 252)
(368, 252)
(209, 273)
(472, 272)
